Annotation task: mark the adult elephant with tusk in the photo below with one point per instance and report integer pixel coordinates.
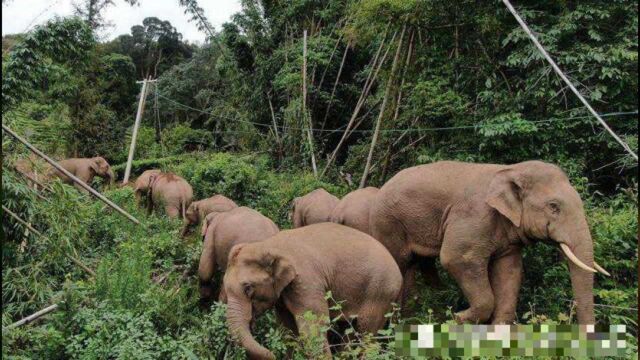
(477, 217)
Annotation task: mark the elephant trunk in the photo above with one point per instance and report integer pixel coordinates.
(581, 276)
(239, 314)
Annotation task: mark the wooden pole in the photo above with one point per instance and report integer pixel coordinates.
(335, 85)
(70, 175)
(136, 125)
(33, 316)
(304, 102)
(387, 90)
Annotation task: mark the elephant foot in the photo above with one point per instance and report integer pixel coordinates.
(503, 320)
(470, 316)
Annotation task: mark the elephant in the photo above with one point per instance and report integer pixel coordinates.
(171, 191)
(293, 271)
(84, 169)
(353, 209)
(313, 208)
(477, 218)
(141, 185)
(225, 229)
(198, 210)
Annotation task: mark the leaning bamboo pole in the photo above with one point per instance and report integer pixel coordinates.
(304, 103)
(70, 175)
(387, 91)
(32, 317)
(363, 95)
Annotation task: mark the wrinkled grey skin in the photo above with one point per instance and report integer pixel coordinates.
(476, 218)
(170, 191)
(198, 210)
(84, 169)
(293, 271)
(224, 230)
(353, 209)
(313, 208)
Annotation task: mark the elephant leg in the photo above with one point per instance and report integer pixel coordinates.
(408, 285)
(506, 277)
(312, 328)
(470, 270)
(172, 211)
(371, 317)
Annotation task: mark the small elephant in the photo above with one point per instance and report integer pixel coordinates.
(198, 210)
(353, 209)
(241, 225)
(171, 191)
(313, 208)
(84, 169)
(295, 269)
(477, 218)
(142, 184)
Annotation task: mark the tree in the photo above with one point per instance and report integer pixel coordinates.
(154, 46)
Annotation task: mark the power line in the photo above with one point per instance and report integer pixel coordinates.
(566, 80)
(479, 126)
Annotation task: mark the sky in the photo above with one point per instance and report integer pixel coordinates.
(18, 15)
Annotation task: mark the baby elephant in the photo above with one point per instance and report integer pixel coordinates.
(171, 191)
(226, 229)
(313, 208)
(84, 169)
(198, 210)
(353, 209)
(294, 270)
(142, 183)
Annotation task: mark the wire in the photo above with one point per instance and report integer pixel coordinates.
(399, 130)
(565, 79)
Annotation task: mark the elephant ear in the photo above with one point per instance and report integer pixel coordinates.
(94, 165)
(281, 269)
(233, 254)
(505, 195)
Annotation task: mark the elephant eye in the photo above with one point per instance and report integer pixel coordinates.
(247, 288)
(555, 208)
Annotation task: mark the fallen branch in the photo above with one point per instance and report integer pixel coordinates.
(24, 223)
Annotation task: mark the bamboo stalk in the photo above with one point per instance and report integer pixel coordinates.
(365, 92)
(335, 85)
(387, 91)
(82, 265)
(70, 175)
(33, 316)
(304, 103)
(35, 181)
(24, 223)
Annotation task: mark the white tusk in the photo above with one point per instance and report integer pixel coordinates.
(600, 269)
(574, 259)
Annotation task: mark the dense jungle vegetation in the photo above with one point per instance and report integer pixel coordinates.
(455, 80)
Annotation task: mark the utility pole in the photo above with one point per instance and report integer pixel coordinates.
(136, 125)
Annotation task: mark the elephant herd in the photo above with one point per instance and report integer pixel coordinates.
(367, 247)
